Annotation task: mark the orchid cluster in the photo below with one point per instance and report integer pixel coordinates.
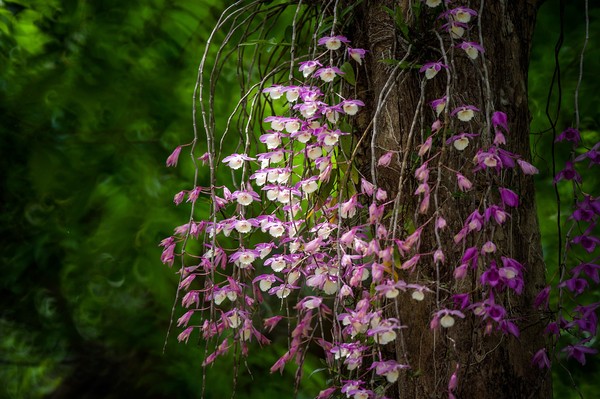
(501, 273)
(485, 258)
(507, 274)
(299, 241)
(578, 268)
(301, 228)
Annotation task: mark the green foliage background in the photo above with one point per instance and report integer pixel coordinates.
(94, 95)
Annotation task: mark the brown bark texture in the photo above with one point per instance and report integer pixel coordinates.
(491, 365)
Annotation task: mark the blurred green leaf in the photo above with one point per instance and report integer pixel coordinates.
(348, 73)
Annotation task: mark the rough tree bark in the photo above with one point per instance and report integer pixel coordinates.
(492, 365)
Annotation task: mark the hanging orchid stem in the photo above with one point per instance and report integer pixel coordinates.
(580, 77)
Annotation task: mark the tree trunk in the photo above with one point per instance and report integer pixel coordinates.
(492, 365)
